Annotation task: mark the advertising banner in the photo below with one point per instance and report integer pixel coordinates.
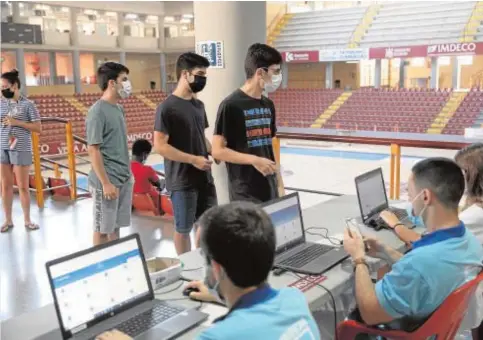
(344, 54)
(301, 57)
(213, 51)
(436, 50)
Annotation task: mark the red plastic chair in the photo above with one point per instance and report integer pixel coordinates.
(144, 204)
(443, 323)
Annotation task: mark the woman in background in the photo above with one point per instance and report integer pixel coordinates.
(19, 118)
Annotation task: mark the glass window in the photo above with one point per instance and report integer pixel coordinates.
(91, 22)
(87, 68)
(8, 60)
(37, 69)
(6, 11)
(65, 70)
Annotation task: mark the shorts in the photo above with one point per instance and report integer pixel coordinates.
(110, 215)
(189, 205)
(12, 157)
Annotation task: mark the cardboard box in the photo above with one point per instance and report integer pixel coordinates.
(163, 271)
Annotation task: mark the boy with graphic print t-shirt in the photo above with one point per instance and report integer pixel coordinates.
(245, 126)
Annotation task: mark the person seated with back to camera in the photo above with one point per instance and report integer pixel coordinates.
(146, 180)
(470, 160)
(238, 243)
(442, 260)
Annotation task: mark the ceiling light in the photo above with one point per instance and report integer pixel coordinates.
(152, 18)
(21, 5)
(185, 21)
(131, 16)
(184, 28)
(90, 12)
(111, 14)
(188, 16)
(64, 9)
(168, 19)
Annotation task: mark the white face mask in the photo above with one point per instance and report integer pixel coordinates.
(274, 85)
(126, 89)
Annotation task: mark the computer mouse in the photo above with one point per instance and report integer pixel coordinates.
(189, 290)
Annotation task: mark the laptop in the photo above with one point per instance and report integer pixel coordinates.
(108, 287)
(372, 196)
(293, 252)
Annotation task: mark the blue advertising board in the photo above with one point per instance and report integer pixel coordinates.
(213, 51)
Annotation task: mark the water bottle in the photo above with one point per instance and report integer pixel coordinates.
(12, 140)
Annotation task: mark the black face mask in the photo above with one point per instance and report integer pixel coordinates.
(198, 84)
(7, 93)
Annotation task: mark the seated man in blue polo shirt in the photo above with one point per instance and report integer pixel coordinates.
(445, 258)
(238, 242)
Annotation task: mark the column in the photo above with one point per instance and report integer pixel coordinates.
(455, 72)
(284, 76)
(52, 68)
(377, 74)
(20, 65)
(434, 81)
(242, 24)
(74, 34)
(120, 29)
(122, 57)
(402, 73)
(164, 76)
(329, 75)
(162, 38)
(76, 69)
(16, 12)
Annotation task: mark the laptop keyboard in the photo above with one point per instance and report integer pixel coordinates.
(305, 256)
(148, 319)
(401, 214)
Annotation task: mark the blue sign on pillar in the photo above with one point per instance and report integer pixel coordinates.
(213, 51)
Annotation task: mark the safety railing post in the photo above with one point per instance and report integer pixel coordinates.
(71, 160)
(39, 187)
(395, 172)
(276, 153)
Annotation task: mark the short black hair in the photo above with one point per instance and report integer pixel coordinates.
(141, 146)
(260, 56)
(443, 177)
(12, 77)
(239, 236)
(470, 159)
(189, 61)
(109, 71)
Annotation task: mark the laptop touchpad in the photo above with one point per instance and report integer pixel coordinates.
(156, 333)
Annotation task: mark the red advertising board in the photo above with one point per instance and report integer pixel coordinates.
(60, 148)
(448, 49)
(301, 57)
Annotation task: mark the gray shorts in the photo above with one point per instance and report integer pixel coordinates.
(110, 215)
(12, 157)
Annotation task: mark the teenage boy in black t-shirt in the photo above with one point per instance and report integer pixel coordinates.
(245, 126)
(179, 136)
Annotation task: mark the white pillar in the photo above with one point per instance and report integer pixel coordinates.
(241, 25)
(16, 12)
(434, 81)
(74, 34)
(377, 74)
(76, 71)
(52, 68)
(284, 76)
(456, 73)
(20, 66)
(122, 57)
(329, 75)
(402, 73)
(120, 28)
(161, 36)
(164, 75)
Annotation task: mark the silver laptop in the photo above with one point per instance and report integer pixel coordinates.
(372, 196)
(293, 252)
(108, 287)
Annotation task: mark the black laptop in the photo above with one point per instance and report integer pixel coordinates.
(293, 252)
(108, 287)
(372, 196)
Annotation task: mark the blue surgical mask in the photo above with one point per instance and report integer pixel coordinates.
(212, 284)
(418, 221)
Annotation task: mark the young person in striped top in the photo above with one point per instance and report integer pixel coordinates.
(19, 118)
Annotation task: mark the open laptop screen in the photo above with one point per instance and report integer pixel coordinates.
(98, 283)
(285, 216)
(372, 193)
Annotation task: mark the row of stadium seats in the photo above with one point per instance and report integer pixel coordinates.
(381, 109)
(437, 22)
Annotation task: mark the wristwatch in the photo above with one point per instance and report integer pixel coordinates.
(358, 261)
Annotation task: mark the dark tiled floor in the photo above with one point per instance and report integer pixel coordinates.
(65, 228)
